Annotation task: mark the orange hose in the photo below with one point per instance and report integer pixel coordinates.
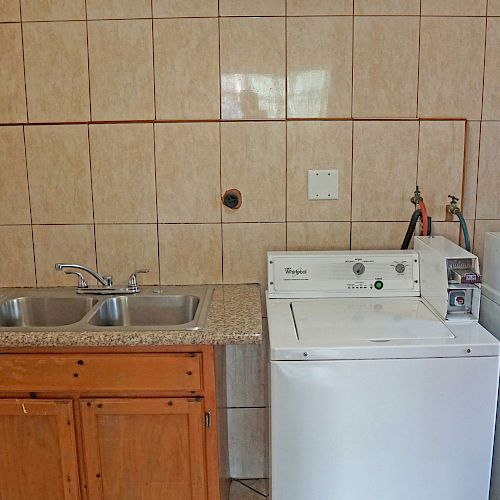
(425, 221)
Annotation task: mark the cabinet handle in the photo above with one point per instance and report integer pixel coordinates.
(208, 419)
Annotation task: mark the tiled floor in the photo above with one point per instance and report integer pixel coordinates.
(249, 489)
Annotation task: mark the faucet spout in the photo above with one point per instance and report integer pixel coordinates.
(105, 281)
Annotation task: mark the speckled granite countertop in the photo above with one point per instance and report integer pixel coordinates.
(234, 317)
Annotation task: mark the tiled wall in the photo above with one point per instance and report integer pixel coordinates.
(123, 121)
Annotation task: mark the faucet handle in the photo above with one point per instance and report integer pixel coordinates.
(82, 283)
(132, 281)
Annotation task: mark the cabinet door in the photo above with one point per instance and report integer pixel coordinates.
(144, 449)
(38, 458)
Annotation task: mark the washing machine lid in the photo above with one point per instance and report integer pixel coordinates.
(345, 321)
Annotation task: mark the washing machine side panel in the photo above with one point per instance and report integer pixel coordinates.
(382, 429)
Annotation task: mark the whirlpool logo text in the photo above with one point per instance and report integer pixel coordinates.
(295, 272)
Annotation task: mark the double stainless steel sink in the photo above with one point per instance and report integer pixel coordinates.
(154, 308)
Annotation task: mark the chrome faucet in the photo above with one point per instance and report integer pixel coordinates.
(106, 281)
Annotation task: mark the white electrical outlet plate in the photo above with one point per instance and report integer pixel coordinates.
(323, 184)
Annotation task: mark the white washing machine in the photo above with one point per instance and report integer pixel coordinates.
(374, 396)
(490, 319)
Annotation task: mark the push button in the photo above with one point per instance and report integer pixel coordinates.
(378, 285)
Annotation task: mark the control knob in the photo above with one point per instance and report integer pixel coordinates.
(358, 268)
(400, 268)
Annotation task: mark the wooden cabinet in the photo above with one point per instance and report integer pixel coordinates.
(38, 457)
(141, 449)
(109, 426)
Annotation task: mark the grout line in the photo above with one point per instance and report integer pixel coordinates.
(220, 148)
(253, 120)
(92, 196)
(263, 120)
(484, 62)
(352, 125)
(352, 182)
(29, 202)
(480, 126)
(153, 57)
(286, 126)
(156, 200)
(88, 59)
(154, 151)
(242, 16)
(418, 155)
(418, 58)
(24, 64)
(352, 64)
(357, 221)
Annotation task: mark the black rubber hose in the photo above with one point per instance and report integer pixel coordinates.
(410, 232)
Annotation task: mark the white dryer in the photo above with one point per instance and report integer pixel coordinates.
(373, 395)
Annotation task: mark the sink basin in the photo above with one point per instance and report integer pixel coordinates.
(44, 311)
(166, 310)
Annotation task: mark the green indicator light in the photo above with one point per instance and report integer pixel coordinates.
(378, 285)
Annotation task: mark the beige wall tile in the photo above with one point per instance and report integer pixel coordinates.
(451, 67)
(188, 172)
(440, 164)
(253, 8)
(245, 250)
(57, 82)
(14, 198)
(118, 9)
(121, 70)
(454, 7)
(62, 244)
(190, 253)
(319, 7)
(185, 8)
(247, 436)
(187, 69)
(468, 201)
(488, 200)
(385, 68)
(12, 94)
(384, 170)
(123, 172)
(252, 67)
(125, 248)
(491, 103)
(52, 10)
(387, 7)
(17, 267)
(480, 228)
(253, 157)
(319, 66)
(59, 174)
(378, 235)
(318, 235)
(9, 11)
(493, 7)
(317, 145)
(246, 375)
(450, 230)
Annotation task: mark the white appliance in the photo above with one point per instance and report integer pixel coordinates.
(373, 395)
(490, 300)
(490, 319)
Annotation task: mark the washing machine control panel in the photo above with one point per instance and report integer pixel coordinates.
(355, 273)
